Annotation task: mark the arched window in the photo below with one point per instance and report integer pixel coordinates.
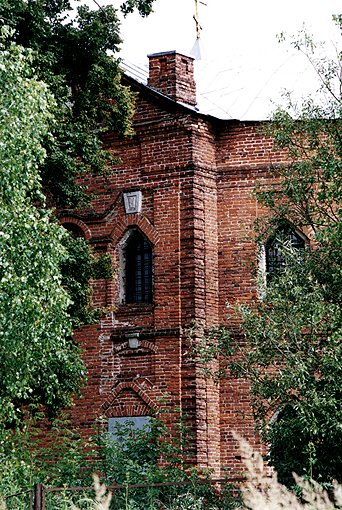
(138, 269)
(274, 254)
(75, 230)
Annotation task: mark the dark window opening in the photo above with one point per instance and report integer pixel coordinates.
(138, 269)
(75, 230)
(275, 258)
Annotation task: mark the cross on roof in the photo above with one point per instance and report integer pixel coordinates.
(196, 18)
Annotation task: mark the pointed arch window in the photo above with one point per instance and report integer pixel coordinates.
(138, 269)
(274, 255)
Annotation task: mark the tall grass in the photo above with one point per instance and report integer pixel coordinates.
(262, 491)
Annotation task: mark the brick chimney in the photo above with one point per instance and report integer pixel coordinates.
(173, 74)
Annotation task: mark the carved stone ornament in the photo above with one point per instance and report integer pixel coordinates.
(132, 201)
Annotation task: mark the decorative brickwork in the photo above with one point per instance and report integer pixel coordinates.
(195, 175)
(71, 222)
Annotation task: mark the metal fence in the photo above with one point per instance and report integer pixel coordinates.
(39, 498)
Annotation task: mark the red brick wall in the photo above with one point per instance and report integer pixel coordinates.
(196, 176)
(173, 74)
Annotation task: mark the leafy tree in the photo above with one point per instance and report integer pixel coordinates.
(47, 141)
(152, 455)
(39, 362)
(289, 342)
(143, 6)
(295, 332)
(75, 57)
(292, 359)
(148, 463)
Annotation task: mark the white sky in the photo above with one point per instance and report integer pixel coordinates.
(243, 67)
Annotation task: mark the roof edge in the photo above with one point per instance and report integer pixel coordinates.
(190, 109)
(170, 52)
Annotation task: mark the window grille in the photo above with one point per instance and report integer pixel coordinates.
(275, 258)
(138, 269)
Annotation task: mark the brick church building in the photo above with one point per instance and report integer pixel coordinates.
(176, 214)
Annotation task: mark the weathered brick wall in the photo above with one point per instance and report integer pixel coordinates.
(173, 74)
(244, 157)
(197, 176)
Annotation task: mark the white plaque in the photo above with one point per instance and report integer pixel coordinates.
(132, 201)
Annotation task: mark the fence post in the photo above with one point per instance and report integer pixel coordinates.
(39, 497)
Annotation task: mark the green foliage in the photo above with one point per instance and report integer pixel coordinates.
(78, 268)
(144, 6)
(71, 56)
(102, 267)
(75, 57)
(294, 333)
(262, 490)
(39, 362)
(150, 456)
(61, 458)
(147, 456)
(292, 359)
(289, 342)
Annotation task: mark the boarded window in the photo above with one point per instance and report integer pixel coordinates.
(119, 427)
